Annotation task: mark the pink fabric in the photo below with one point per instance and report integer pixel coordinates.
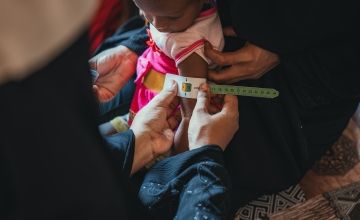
(150, 59)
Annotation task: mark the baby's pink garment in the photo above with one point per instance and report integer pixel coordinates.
(167, 50)
(163, 65)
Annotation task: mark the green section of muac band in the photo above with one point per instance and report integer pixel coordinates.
(244, 91)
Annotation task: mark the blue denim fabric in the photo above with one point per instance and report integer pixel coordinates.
(188, 186)
(132, 34)
(121, 146)
(121, 102)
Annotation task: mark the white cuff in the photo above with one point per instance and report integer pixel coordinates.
(188, 87)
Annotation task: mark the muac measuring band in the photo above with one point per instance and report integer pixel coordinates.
(189, 86)
(244, 91)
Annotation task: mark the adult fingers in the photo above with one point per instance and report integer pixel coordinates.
(229, 31)
(169, 137)
(226, 58)
(106, 61)
(166, 140)
(226, 76)
(230, 107)
(216, 103)
(102, 62)
(173, 122)
(93, 62)
(203, 99)
(95, 89)
(167, 97)
(234, 74)
(103, 94)
(213, 109)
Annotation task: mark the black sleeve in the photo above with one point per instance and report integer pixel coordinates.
(288, 28)
(190, 185)
(317, 41)
(121, 146)
(53, 164)
(132, 34)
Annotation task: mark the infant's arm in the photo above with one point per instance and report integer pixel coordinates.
(192, 66)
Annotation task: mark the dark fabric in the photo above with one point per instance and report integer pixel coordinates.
(52, 155)
(121, 146)
(315, 38)
(278, 140)
(132, 34)
(188, 186)
(317, 78)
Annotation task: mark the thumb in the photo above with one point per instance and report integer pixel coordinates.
(230, 106)
(224, 58)
(203, 98)
(93, 62)
(166, 96)
(169, 134)
(103, 93)
(167, 140)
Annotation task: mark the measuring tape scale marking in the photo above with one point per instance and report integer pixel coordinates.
(189, 86)
(244, 91)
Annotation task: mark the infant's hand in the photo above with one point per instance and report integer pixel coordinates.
(115, 67)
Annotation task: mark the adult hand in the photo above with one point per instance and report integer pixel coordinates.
(249, 62)
(219, 128)
(153, 127)
(115, 67)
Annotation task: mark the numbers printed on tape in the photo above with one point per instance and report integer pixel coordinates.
(244, 91)
(187, 86)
